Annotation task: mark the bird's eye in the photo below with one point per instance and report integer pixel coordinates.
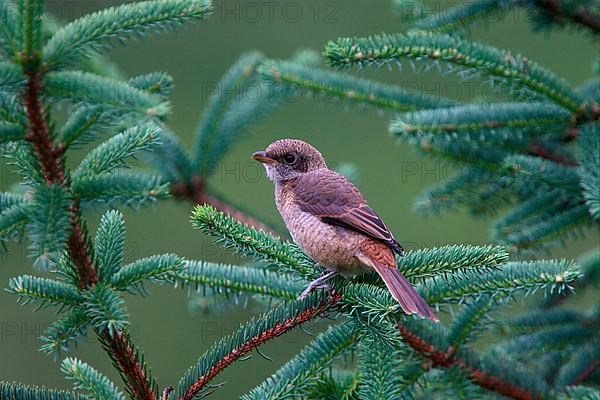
(289, 159)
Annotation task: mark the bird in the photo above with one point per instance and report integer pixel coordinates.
(330, 220)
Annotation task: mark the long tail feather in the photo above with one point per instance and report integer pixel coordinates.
(404, 293)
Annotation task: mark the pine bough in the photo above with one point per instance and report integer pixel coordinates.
(518, 151)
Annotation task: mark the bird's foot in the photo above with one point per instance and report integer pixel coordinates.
(311, 288)
(318, 284)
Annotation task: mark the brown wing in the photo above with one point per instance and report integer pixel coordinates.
(334, 199)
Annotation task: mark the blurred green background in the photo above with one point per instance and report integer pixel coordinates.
(171, 334)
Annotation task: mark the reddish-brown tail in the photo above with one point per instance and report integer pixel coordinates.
(404, 293)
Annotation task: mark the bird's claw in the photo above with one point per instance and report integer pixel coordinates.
(311, 288)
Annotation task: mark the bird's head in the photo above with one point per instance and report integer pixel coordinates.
(288, 158)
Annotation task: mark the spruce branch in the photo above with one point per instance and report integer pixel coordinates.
(376, 304)
(561, 11)
(174, 163)
(334, 85)
(21, 156)
(462, 16)
(87, 379)
(186, 185)
(431, 341)
(541, 151)
(130, 188)
(580, 393)
(529, 169)
(8, 200)
(50, 158)
(106, 310)
(381, 371)
(256, 332)
(18, 391)
(103, 306)
(583, 366)
(238, 211)
(451, 259)
(159, 83)
(296, 376)
(86, 122)
(467, 320)
(112, 154)
(371, 303)
(539, 205)
(44, 290)
(8, 28)
(560, 338)
(488, 160)
(590, 267)
(127, 360)
(64, 331)
(495, 63)
(30, 29)
(49, 221)
(88, 88)
(11, 132)
(251, 242)
(11, 109)
(10, 76)
(589, 263)
(229, 113)
(448, 359)
(89, 33)
(478, 119)
(589, 170)
(12, 222)
(470, 189)
(447, 383)
(409, 11)
(109, 244)
(529, 276)
(240, 279)
(157, 268)
(94, 62)
(336, 384)
(539, 320)
(583, 14)
(195, 191)
(211, 139)
(539, 234)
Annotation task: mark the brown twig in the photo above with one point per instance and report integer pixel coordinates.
(195, 191)
(587, 372)
(256, 341)
(79, 251)
(537, 150)
(50, 158)
(124, 355)
(587, 113)
(580, 15)
(448, 359)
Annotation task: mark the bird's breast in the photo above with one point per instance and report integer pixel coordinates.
(333, 247)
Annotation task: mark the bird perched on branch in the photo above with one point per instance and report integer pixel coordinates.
(331, 222)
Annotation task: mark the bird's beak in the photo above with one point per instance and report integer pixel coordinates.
(261, 156)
